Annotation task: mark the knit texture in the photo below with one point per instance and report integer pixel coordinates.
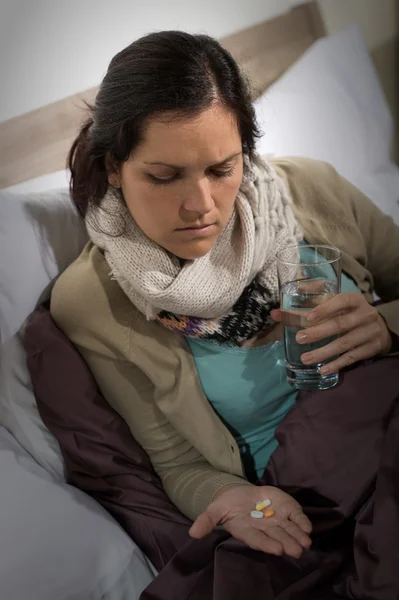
(262, 223)
(248, 317)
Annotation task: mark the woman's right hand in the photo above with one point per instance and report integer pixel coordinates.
(287, 531)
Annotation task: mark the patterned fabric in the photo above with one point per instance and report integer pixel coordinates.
(249, 315)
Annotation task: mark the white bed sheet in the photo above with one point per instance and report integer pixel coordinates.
(44, 557)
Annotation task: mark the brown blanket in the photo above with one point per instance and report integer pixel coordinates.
(338, 454)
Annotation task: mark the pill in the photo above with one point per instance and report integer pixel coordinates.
(269, 513)
(257, 514)
(263, 504)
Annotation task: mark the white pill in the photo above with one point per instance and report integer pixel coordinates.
(257, 514)
(263, 504)
(267, 502)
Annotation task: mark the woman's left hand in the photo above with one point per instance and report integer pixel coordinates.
(363, 332)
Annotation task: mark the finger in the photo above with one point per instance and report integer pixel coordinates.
(293, 318)
(346, 302)
(299, 518)
(276, 314)
(330, 328)
(345, 343)
(296, 532)
(258, 540)
(203, 525)
(255, 538)
(290, 545)
(351, 357)
(337, 325)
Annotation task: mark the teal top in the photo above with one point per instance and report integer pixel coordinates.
(248, 389)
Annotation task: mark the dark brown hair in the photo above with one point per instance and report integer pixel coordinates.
(166, 72)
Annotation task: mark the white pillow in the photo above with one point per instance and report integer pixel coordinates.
(40, 235)
(64, 544)
(18, 409)
(50, 181)
(57, 542)
(330, 106)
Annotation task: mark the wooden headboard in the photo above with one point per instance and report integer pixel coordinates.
(37, 143)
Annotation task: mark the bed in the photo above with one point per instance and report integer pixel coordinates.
(58, 542)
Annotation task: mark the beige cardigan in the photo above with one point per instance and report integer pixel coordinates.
(148, 374)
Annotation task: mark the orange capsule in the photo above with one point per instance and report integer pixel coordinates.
(269, 513)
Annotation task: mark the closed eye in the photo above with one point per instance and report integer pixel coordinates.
(224, 173)
(160, 180)
(218, 173)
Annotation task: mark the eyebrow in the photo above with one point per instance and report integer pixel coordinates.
(163, 164)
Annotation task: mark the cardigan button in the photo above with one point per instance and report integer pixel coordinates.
(232, 449)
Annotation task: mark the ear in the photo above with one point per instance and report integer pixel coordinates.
(112, 171)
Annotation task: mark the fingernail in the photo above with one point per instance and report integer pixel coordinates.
(307, 358)
(324, 370)
(301, 337)
(312, 316)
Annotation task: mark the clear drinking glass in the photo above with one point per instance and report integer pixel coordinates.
(308, 276)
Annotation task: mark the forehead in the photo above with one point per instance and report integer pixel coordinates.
(205, 138)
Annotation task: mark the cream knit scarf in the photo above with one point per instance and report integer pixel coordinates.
(209, 287)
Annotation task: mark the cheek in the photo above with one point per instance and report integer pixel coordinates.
(151, 210)
(224, 196)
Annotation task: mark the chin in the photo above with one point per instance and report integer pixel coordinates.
(194, 250)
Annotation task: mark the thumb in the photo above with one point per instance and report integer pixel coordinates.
(204, 524)
(276, 314)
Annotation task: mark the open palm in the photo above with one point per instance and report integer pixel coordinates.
(287, 531)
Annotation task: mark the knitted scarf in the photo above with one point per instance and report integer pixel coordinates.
(226, 295)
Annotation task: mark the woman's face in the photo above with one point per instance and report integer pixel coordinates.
(181, 182)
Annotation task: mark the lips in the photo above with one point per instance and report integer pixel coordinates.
(197, 231)
(196, 227)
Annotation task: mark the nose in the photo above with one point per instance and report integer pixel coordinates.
(199, 198)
